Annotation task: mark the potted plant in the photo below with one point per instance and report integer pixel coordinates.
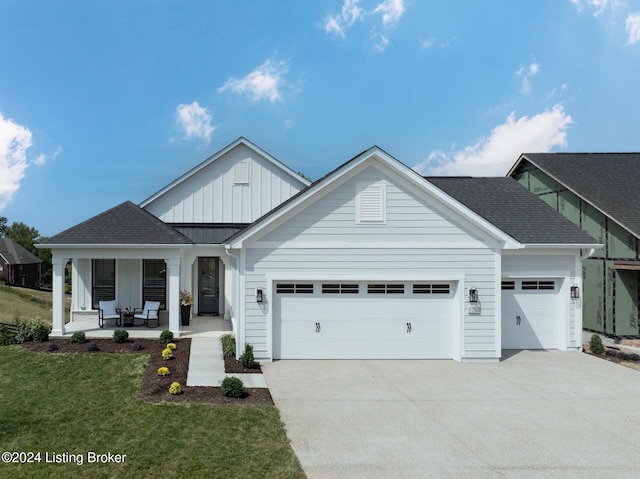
(186, 300)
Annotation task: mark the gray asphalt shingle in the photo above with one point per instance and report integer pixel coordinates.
(126, 223)
(609, 181)
(513, 209)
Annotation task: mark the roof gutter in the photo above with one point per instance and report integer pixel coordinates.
(588, 255)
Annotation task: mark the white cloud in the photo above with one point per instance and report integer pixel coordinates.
(350, 13)
(265, 82)
(494, 155)
(388, 11)
(633, 28)
(195, 121)
(15, 140)
(598, 6)
(526, 73)
(392, 11)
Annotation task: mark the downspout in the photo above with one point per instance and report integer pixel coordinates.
(236, 296)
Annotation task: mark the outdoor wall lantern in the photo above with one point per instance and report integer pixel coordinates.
(259, 295)
(473, 295)
(575, 292)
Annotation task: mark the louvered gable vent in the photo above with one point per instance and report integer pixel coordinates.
(241, 173)
(370, 203)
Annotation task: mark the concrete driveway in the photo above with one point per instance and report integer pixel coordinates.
(536, 414)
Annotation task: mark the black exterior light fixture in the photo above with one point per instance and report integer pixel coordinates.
(259, 295)
(575, 292)
(473, 295)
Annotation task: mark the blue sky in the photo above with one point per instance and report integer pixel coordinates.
(102, 102)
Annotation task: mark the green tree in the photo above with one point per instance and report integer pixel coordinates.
(28, 237)
(3, 225)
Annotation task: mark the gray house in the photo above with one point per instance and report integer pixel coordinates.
(597, 192)
(18, 266)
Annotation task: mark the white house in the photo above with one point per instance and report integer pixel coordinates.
(370, 261)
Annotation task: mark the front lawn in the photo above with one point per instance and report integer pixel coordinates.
(65, 406)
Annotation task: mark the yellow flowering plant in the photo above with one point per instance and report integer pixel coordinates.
(175, 388)
(171, 346)
(167, 353)
(163, 371)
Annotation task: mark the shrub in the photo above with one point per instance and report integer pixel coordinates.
(32, 330)
(92, 346)
(171, 346)
(137, 346)
(622, 356)
(163, 371)
(167, 354)
(247, 358)
(52, 347)
(595, 344)
(611, 352)
(79, 337)
(634, 357)
(121, 336)
(228, 345)
(6, 337)
(175, 388)
(232, 387)
(166, 336)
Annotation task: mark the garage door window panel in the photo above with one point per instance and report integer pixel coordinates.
(380, 288)
(294, 288)
(431, 289)
(338, 288)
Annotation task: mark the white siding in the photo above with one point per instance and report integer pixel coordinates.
(213, 196)
(558, 265)
(409, 218)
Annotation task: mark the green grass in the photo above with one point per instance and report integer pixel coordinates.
(80, 403)
(23, 303)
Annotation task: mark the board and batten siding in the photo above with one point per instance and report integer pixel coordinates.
(214, 194)
(418, 238)
(567, 271)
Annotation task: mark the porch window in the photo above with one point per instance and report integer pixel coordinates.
(104, 281)
(154, 285)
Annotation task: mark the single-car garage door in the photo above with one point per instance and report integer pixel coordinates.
(363, 320)
(530, 314)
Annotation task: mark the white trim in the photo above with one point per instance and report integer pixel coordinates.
(328, 245)
(375, 154)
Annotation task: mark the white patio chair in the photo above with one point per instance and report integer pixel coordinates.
(150, 312)
(108, 310)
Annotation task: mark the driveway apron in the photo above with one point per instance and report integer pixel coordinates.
(536, 414)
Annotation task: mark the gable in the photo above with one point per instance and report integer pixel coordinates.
(237, 185)
(374, 205)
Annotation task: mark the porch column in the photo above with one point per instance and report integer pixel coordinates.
(57, 283)
(173, 267)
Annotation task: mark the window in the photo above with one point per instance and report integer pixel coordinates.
(104, 281)
(529, 285)
(241, 173)
(154, 284)
(348, 288)
(296, 288)
(508, 285)
(373, 288)
(371, 203)
(431, 289)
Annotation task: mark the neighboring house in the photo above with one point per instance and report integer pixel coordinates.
(370, 261)
(18, 266)
(599, 193)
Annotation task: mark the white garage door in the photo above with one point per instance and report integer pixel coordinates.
(329, 320)
(530, 314)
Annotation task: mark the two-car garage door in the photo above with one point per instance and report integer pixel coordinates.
(363, 320)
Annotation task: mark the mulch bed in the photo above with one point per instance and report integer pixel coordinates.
(233, 366)
(155, 388)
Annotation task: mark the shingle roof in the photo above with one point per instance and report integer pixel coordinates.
(516, 211)
(608, 181)
(121, 225)
(13, 253)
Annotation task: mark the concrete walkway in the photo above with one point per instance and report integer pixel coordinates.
(206, 366)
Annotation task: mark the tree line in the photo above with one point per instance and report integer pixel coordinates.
(28, 237)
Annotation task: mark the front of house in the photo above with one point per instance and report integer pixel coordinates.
(371, 261)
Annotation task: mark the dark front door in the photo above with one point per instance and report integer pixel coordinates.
(208, 286)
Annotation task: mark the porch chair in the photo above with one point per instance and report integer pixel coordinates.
(108, 310)
(150, 312)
